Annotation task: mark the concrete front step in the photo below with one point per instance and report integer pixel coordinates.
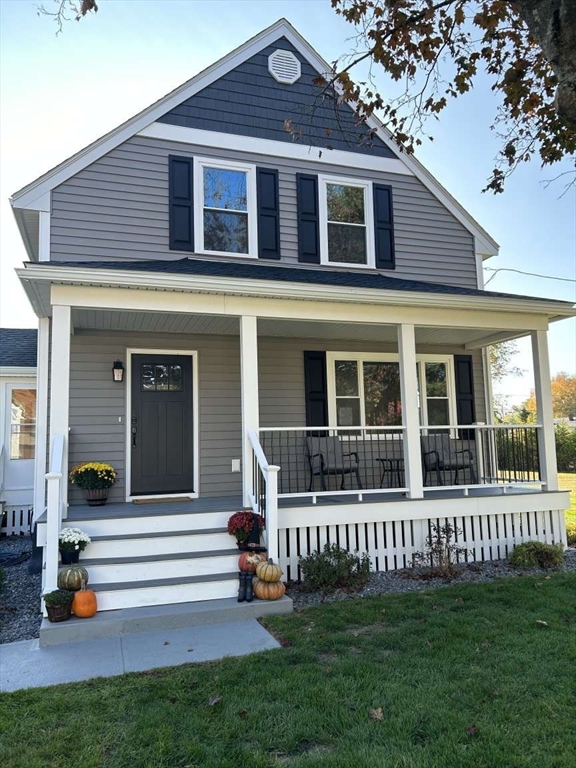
(171, 565)
(157, 544)
(158, 617)
(163, 591)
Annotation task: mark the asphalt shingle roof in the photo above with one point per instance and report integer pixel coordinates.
(18, 347)
(258, 271)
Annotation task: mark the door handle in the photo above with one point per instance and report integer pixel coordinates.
(134, 431)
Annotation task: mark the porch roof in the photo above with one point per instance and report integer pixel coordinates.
(244, 270)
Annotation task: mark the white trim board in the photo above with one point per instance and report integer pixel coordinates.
(128, 416)
(272, 148)
(34, 194)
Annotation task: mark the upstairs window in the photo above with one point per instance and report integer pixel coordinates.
(226, 216)
(346, 222)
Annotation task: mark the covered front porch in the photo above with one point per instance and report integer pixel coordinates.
(343, 422)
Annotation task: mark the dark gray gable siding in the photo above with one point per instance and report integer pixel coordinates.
(18, 347)
(248, 101)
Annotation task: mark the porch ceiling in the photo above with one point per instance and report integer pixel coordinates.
(159, 322)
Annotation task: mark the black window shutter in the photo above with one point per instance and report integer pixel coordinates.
(383, 226)
(316, 389)
(465, 406)
(268, 213)
(181, 191)
(308, 223)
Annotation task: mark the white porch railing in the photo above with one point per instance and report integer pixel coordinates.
(360, 461)
(53, 512)
(456, 456)
(264, 493)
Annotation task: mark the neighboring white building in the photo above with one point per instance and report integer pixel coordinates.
(17, 426)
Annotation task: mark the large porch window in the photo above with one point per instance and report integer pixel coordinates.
(364, 390)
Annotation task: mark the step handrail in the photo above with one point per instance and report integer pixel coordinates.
(268, 473)
(54, 483)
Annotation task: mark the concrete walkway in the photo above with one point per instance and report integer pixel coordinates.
(26, 665)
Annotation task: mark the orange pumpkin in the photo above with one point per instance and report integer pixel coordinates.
(85, 604)
(248, 561)
(269, 571)
(268, 590)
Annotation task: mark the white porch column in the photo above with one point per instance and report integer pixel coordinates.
(409, 394)
(41, 417)
(249, 394)
(545, 414)
(60, 388)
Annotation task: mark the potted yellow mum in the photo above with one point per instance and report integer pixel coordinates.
(95, 478)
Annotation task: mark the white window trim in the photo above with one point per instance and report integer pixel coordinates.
(251, 203)
(10, 387)
(323, 180)
(390, 357)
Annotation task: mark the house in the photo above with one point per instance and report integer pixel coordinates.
(17, 428)
(234, 319)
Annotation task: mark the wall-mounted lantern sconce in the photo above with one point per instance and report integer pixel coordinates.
(118, 371)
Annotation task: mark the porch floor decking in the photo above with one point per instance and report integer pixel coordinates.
(80, 512)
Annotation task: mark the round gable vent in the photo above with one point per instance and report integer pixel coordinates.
(284, 67)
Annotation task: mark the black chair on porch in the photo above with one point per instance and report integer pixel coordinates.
(326, 457)
(440, 455)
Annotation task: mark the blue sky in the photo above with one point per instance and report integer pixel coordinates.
(59, 93)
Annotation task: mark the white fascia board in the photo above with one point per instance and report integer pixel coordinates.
(118, 278)
(273, 148)
(29, 195)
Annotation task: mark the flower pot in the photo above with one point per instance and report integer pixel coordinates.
(59, 612)
(68, 558)
(96, 497)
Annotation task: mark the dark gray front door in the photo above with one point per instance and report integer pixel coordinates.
(162, 433)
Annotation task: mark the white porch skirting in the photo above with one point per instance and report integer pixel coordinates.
(488, 527)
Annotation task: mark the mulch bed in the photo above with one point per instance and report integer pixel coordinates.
(412, 580)
(20, 614)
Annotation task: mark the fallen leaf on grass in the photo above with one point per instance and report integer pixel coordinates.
(214, 700)
(243, 714)
(547, 578)
(376, 714)
(472, 730)
(542, 623)
(355, 650)
(429, 644)
(539, 584)
(172, 699)
(459, 600)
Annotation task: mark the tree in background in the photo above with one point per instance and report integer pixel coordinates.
(437, 48)
(563, 397)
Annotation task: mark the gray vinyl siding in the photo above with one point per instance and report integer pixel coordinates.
(248, 101)
(98, 405)
(117, 209)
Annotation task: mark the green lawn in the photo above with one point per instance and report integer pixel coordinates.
(463, 676)
(568, 481)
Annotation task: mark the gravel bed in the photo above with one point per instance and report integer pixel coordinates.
(390, 582)
(20, 615)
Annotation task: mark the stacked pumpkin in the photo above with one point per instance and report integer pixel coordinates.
(267, 584)
(74, 578)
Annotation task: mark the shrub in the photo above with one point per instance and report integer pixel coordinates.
(536, 554)
(442, 552)
(571, 534)
(566, 448)
(334, 568)
(58, 597)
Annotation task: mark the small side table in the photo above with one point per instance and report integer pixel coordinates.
(392, 469)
